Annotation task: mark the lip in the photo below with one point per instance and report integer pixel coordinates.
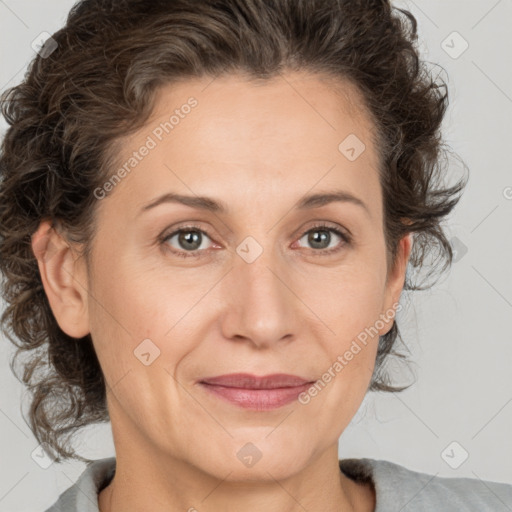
(254, 392)
(249, 381)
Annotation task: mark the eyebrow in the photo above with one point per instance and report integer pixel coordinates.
(212, 205)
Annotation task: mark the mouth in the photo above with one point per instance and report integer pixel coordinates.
(256, 393)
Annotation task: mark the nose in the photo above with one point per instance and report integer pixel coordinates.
(261, 306)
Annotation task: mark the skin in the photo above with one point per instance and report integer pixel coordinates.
(259, 148)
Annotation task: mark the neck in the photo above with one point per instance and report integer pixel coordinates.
(181, 487)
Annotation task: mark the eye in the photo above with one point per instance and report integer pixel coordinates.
(189, 239)
(320, 238)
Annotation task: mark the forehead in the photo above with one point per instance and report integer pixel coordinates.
(237, 135)
(325, 103)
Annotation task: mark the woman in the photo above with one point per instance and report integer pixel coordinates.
(207, 213)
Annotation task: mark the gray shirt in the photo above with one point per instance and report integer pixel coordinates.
(397, 489)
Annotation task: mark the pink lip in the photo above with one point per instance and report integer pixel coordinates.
(258, 393)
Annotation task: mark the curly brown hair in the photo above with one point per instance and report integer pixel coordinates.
(75, 104)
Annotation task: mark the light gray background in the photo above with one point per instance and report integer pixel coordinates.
(458, 334)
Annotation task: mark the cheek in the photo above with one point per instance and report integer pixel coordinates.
(350, 305)
(348, 300)
(133, 298)
(352, 350)
(133, 306)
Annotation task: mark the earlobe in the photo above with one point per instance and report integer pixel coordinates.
(62, 272)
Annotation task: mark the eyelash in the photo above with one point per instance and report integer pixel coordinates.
(347, 240)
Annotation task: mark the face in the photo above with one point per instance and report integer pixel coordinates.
(261, 284)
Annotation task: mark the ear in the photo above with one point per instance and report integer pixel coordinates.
(395, 280)
(63, 273)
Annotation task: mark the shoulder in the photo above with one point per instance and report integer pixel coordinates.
(82, 496)
(400, 488)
